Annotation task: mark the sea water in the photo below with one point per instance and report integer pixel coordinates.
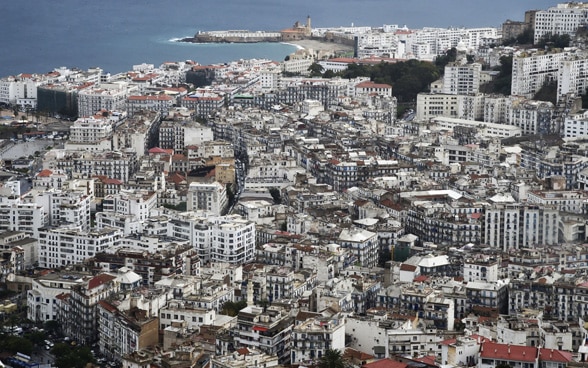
(38, 36)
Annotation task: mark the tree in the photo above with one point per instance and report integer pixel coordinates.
(67, 356)
(554, 41)
(315, 69)
(329, 74)
(332, 359)
(275, 193)
(15, 344)
(233, 308)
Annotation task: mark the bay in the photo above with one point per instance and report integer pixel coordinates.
(37, 36)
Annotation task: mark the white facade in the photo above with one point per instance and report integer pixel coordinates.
(461, 79)
(66, 207)
(90, 130)
(313, 337)
(531, 71)
(561, 19)
(152, 102)
(137, 203)
(105, 96)
(21, 89)
(575, 126)
(26, 217)
(194, 317)
(211, 197)
(41, 297)
(229, 239)
(512, 226)
(63, 246)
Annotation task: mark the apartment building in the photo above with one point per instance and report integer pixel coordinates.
(63, 246)
(564, 18)
(78, 312)
(512, 225)
(211, 197)
(90, 130)
(530, 71)
(178, 135)
(363, 243)
(103, 96)
(160, 103)
(314, 336)
(267, 329)
(138, 133)
(45, 289)
(462, 79)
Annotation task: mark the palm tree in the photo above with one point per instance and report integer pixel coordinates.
(332, 359)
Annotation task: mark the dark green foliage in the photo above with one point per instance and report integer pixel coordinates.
(329, 74)
(407, 78)
(585, 101)
(547, 93)
(232, 308)
(525, 38)
(315, 69)
(332, 359)
(554, 41)
(15, 344)
(502, 84)
(442, 60)
(36, 337)
(276, 195)
(67, 356)
(182, 206)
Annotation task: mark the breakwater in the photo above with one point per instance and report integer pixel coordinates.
(234, 36)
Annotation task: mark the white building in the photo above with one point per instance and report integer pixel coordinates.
(575, 126)
(103, 96)
(70, 208)
(177, 135)
(512, 226)
(41, 298)
(90, 130)
(20, 90)
(462, 79)
(229, 239)
(26, 217)
(562, 19)
(313, 337)
(572, 77)
(211, 197)
(531, 71)
(161, 103)
(363, 244)
(63, 246)
(185, 310)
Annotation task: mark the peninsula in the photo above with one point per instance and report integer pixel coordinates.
(298, 32)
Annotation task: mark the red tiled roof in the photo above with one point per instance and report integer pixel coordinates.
(421, 278)
(407, 267)
(428, 359)
(550, 355)
(106, 305)
(98, 280)
(372, 85)
(356, 354)
(243, 351)
(385, 363)
(45, 173)
(112, 181)
(508, 352)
